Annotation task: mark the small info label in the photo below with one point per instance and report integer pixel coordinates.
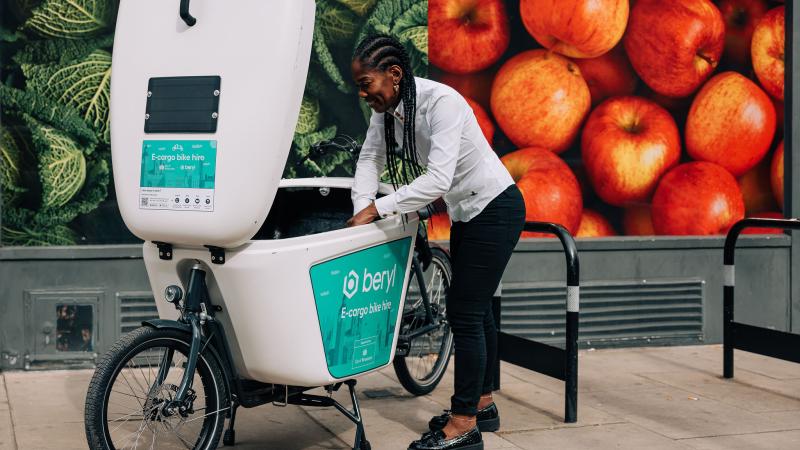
(178, 175)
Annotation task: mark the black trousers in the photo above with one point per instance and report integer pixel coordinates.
(480, 250)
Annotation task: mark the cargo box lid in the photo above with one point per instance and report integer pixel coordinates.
(202, 115)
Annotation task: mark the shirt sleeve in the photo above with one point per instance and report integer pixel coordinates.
(447, 123)
(371, 161)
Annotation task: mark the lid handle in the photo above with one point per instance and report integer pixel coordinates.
(185, 13)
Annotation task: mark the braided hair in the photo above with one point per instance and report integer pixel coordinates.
(381, 52)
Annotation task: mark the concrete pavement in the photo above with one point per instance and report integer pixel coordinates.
(653, 398)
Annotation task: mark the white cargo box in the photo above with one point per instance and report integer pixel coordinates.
(202, 123)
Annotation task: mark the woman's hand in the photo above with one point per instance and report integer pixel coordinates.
(365, 216)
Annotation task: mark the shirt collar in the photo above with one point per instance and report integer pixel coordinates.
(398, 112)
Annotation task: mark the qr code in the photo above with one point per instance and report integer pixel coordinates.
(144, 201)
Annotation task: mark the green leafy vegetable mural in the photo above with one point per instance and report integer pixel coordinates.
(55, 74)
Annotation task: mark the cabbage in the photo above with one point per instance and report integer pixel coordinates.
(37, 236)
(10, 162)
(336, 22)
(83, 84)
(44, 110)
(309, 118)
(60, 51)
(71, 19)
(62, 166)
(412, 27)
(360, 7)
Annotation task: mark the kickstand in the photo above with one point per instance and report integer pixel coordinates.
(361, 442)
(229, 439)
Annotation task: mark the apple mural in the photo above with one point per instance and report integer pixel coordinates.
(674, 45)
(731, 123)
(539, 98)
(608, 75)
(767, 50)
(696, 198)
(628, 143)
(575, 28)
(593, 224)
(466, 36)
(741, 17)
(548, 186)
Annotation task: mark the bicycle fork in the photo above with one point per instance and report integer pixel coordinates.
(193, 313)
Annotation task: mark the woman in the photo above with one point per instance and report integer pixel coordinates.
(438, 130)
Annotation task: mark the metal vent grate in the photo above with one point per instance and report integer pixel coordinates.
(611, 312)
(134, 308)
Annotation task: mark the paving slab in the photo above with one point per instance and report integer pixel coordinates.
(679, 414)
(389, 422)
(289, 428)
(759, 441)
(743, 361)
(613, 436)
(655, 398)
(7, 441)
(735, 392)
(47, 408)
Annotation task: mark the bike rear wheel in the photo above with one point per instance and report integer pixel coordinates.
(135, 380)
(422, 368)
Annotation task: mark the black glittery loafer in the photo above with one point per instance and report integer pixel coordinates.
(436, 440)
(488, 419)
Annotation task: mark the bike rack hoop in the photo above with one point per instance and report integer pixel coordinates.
(753, 339)
(552, 361)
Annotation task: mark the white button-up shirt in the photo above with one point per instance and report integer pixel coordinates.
(461, 166)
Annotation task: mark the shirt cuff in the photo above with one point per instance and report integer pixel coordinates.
(386, 206)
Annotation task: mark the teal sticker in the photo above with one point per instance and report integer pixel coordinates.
(179, 164)
(358, 298)
(178, 175)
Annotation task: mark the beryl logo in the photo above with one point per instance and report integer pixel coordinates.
(379, 281)
(177, 148)
(370, 281)
(350, 284)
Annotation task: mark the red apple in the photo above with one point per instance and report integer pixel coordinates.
(757, 189)
(477, 86)
(487, 127)
(776, 175)
(466, 36)
(637, 221)
(608, 75)
(697, 198)
(628, 143)
(759, 230)
(731, 123)
(575, 28)
(767, 51)
(593, 224)
(741, 17)
(548, 186)
(540, 98)
(439, 227)
(674, 45)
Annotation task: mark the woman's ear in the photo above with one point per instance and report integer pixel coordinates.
(397, 74)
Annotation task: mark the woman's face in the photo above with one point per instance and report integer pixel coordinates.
(377, 87)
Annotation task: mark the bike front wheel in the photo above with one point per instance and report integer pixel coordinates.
(137, 378)
(421, 368)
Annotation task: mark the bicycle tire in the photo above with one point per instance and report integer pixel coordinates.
(413, 383)
(133, 345)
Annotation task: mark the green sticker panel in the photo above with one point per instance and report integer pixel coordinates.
(179, 164)
(358, 298)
